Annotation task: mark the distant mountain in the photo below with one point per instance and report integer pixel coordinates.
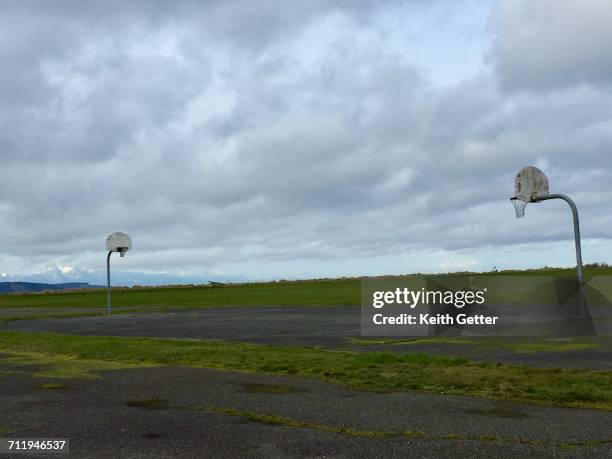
(29, 287)
(58, 275)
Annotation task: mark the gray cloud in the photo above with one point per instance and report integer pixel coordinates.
(220, 135)
(545, 45)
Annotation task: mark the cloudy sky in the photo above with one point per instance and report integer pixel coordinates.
(268, 139)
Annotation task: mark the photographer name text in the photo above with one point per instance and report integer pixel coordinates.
(434, 319)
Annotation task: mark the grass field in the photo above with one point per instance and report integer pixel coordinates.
(313, 292)
(327, 292)
(65, 356)
(77, 356)
(520, 345)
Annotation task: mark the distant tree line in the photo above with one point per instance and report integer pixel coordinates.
(597, 265)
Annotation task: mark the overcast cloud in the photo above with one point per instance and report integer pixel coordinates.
(273, 139)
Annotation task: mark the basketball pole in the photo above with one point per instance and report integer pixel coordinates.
(577, 242)
(116, 242)
(109, 307)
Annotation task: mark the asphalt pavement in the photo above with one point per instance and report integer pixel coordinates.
(330, 327)
(190, 412)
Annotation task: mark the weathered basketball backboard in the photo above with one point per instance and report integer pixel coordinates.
(530, 183)
(118, 242)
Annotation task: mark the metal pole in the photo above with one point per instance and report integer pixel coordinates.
(577, 242)
(108, 296)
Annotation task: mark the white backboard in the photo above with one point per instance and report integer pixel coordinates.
(118, 242)
(530, 183)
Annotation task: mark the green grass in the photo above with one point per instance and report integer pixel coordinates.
(523, 348)
(286, 421)
(415, 341)
(332, 292)
(328, 292)
(53, 386)
(277, 420)
(375, 371)
(62, 366)
(500, 343)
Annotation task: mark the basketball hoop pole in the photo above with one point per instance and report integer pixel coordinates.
(116, 242)
(577, 241)
(109, 307)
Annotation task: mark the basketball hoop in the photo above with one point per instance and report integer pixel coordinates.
(519, 206)
(531, 185)
(116, 242)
